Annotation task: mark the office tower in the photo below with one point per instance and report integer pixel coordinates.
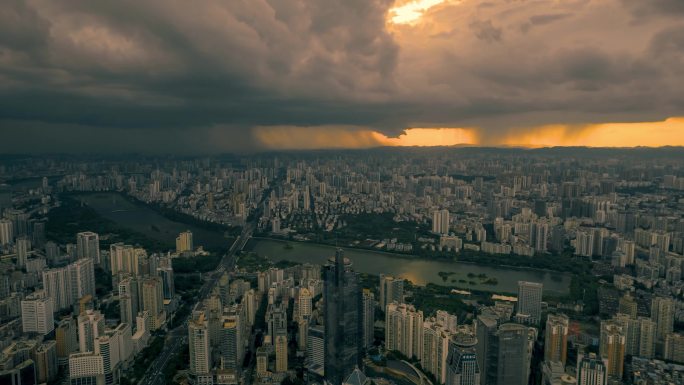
(304, 302)
(404, 330)
(37, 314)
(436, 337)
(627, 305)
(612, 347)
(440, 221)
(662, 313)
(487, 348)
(199, 347)
(46, 361)
(462, 368)
(529, 300)
(66, 335)
(674, 348)
(647, 337)
(153, 300)
(23, 249)
(368, 318)
(281, 352)
(88, 246)
(315, 348)
(556, 338)
(6, 232)
(591, 370)
(230, 346)
(91, 325)
(128, 300)
(343, 319)
(184, 242)
(513, 364)
(391, 290)
(166, 274)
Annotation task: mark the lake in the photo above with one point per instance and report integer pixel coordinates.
(143, 219)
(418, 271)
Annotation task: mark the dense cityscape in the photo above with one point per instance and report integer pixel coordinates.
(454, 266)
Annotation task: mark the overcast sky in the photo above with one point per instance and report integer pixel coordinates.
(215, 75)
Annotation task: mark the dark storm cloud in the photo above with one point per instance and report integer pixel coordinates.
(187, 72)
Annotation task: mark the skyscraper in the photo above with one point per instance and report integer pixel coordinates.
(66, 336)
(612, 347)
(487, 348)
(23, 249)
(368, 318)
(556, 338)
(88, 246)
(647, 337)
(591, 370)
(128, 300)
(153, 300)
(462, 368)
(304, 302)
(513, 365)
(281, 352)
(343, 318)
(529, 300)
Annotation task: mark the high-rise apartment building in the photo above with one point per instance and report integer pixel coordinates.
(647, 337)
(662, 313)
(91, 325)
(391, 290)
(37, 314)
(368, 318)
(404, 330)
(436, 339)
(591, 370)
(612, 347)
(200, 349)
(66, 335)
(184, 242)
(128, 299)
(343, 319)
(556, 338)
(66, 285)
(88, 246)
(440, 221)
(304, 302)
(23, 247)
(281, 352)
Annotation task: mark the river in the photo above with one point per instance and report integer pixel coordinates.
(143, 219)
(418, 271)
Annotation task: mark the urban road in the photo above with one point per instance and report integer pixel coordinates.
(178, 336)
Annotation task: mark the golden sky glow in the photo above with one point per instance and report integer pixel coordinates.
(412, 11)
(648, 134)
(669, 132)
